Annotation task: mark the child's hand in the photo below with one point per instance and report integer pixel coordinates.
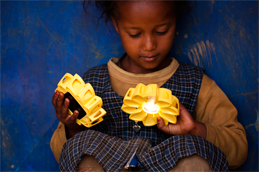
(185, 125)
(62, 114)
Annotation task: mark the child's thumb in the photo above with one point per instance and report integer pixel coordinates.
(161, 125)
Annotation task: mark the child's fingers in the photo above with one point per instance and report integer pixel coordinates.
(74, 116)
(185, 116)
(59, 102)
(64, 111)
(183, 110)
(54, 99)
(71, 119)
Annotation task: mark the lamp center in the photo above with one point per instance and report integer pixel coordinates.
(150, 108)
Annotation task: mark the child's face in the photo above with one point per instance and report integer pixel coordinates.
(147, 30)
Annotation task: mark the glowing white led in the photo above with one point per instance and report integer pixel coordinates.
(150, 108)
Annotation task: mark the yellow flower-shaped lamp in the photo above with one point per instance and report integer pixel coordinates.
(82, 98)
(146, 103)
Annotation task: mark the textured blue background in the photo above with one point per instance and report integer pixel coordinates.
(41, 41)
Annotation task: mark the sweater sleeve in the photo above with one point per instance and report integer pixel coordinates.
(215, 110)
(58, 140)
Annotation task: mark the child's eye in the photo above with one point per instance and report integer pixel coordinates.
(134, 36)
(161, 33)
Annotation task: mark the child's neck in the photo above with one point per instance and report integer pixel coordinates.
(129, 65)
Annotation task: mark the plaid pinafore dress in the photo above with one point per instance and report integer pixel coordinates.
(113, 141)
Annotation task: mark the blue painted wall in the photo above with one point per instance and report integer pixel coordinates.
(40, 41)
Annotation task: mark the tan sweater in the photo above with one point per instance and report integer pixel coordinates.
(213, 108)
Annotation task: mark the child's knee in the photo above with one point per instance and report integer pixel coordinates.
(192, 163)
(88, 163)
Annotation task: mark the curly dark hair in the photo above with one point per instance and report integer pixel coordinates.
(108, 8)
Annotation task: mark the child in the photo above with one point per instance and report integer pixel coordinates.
(147, 30)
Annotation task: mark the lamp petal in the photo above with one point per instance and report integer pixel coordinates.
(75, 85)
(150, 120)
(165, 95)
(138, 116)
(130, 109)
(165, 121)
(163, 104)
(151, 91)
(63, 82)
(170, 110)
(138, 99)
(169, 118)
(140, 90)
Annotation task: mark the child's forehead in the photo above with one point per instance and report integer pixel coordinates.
(145, 8)
(145, 3)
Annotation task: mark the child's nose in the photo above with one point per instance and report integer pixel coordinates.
(149, 43)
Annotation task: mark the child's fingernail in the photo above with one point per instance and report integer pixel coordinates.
(66, 102)
(158, 119)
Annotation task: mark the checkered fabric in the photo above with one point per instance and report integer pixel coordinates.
(164, 156)
(117, 141)
(111, 152)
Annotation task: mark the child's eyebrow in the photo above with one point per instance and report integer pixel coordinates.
(133, 28)
(140, 28)
(162, 24)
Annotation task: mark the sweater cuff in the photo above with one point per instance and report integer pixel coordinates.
(58, 140)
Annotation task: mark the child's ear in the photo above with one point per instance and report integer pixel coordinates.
(114, 22)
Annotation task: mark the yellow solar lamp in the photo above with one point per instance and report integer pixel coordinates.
(82, 98)
(146, 103)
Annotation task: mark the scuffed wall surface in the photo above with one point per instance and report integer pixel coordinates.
(41, 41)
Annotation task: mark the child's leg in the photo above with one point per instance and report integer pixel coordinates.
(89, 163)
(192, 163)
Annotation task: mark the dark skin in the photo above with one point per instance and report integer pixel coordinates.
(147, 30)
(72, 128)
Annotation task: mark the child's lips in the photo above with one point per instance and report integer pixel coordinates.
(149, 58)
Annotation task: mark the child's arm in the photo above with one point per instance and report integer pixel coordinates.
(216, 116)
(67, 127)
(220, 117)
